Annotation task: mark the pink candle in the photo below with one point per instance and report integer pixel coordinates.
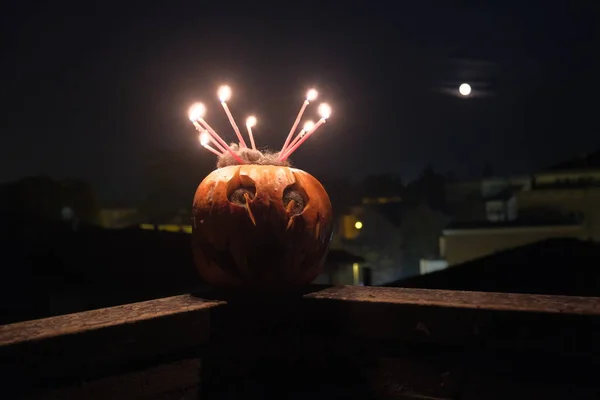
(308, 126)
(302, 140)
(298, 137)
(221, 141)
(204, 142)
(224, 95)
(206, 138)
(310, 96)
(250, 122)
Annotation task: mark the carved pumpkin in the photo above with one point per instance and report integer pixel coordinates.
(260, 226)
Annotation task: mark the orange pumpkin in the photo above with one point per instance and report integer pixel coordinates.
(260, 226)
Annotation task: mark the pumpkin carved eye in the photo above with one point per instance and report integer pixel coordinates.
(238, 196)
(240, 187)
(294, 199)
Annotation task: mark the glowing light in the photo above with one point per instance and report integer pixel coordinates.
(324, 110)
(204, 138)
(308, 125)
(251, 121)
(311, 95)
(356, 273)
(465, 89)
(358, 225)
(196, 115)
(196, 112)
(208, 136)
(224, 93)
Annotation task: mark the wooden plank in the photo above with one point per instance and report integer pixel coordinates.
(63, 350)
(394, 343)
(387, 315)
(99, 319)
(529, 303)
(331, 326)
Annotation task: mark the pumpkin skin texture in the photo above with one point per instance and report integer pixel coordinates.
(260, 227)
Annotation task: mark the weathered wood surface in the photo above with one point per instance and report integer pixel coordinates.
(335, 342)
(534, 303)
(78, 323)
(392, 343)
(82, 347)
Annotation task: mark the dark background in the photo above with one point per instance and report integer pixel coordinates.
(94, 90)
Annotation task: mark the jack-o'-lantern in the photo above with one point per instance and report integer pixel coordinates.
(258, 223)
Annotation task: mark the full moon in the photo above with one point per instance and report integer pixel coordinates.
(465, 89)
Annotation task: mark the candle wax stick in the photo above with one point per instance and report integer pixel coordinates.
(251, 137)
(298, 137)
(214, 134)
(212, 150)
(289, 137)
(234, 125)
(304, 138)
(213, 141)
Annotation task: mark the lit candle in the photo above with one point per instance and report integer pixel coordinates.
(250, 122)
(308, 125)
(325, 112)
(213, 141)
(310, 96)
(224, 95)
(196, 114)
(204, 140)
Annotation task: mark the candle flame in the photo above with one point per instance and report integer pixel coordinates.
(324, 110)
(308, 125)
(196, 111)
(251, 121)
(204, 138)
(224, 93)
(208, 137)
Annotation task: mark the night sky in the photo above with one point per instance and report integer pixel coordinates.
(90, 91)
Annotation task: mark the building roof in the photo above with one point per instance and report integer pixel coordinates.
(553, 266)
(585, 161)
(530, 222)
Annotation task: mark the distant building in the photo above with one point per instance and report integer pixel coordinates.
(465, 242)
(343, 268)
(370, 233)
(560, 202)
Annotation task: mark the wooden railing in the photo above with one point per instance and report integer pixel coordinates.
(330, 342)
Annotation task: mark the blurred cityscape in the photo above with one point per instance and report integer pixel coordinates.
(66, 250)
